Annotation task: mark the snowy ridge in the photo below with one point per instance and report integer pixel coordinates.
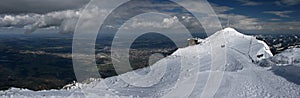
(243, 77)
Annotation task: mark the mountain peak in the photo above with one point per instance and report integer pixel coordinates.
(229, 29)
(228, 32)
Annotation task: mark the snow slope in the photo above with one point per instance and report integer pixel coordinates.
(287, 57)
(174, 76)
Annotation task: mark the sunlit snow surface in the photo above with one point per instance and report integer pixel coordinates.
(243, 78)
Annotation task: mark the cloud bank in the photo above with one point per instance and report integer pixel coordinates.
(35, 14)
(280, 13)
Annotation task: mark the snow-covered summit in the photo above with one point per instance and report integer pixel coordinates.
(229, 29)
(244, 44)
(184, 74)
(229, 32)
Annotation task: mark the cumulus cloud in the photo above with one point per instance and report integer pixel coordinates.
(51, 19)
(34, 14)
(66, 20)
(17, 20)
(280, 13)
(153, 21)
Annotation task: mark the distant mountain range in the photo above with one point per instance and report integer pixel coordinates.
(280, 42)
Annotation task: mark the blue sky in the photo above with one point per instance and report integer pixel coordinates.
(249, 16)
(275, 13)
(260, 7)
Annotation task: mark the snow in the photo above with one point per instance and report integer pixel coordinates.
(287, 57)
(174, 76)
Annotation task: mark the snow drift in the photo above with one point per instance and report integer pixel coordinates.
(242, 78)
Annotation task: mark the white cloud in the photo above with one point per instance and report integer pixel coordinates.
(18, 20)
(275, 19)
(236, 20)
(153, 21)
(240, 21)
(287, 2)
(249, 2)
(280, 13)
(172, 22)
(54, 19)
(282, 26)
(221, 9)
(201, 7)
(66, 20)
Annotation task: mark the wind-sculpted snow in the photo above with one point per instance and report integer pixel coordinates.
(242, 78)
(285, 64)
(242, 50)
(287, 57)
